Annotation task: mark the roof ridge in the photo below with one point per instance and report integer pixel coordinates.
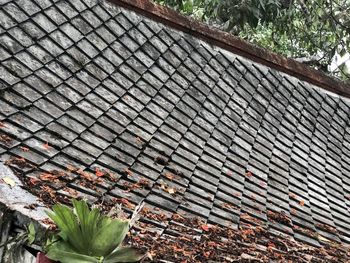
(235, 44)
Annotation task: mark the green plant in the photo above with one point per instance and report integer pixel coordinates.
(13, 245)
(88, 236)
(314, 32)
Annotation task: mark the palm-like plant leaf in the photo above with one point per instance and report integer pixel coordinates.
(109, 237)
(66, 221)
(87, 236)
(124, 254)
(62, 252)
(89, 222)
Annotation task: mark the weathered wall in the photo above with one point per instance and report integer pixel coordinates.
(108, 88)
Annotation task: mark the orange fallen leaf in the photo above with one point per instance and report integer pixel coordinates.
(2, 125)
(47, 189)
(271, 246)
(25, 149)
(291, 195)
(86, 175)
(112, 176)
(47, 177)
(165, 187)
(71, 168)
(170, 176)
(98, 172)
(128, 172)
(227, 205)
(127, 203)
(248, 232)
(46, 146)
(33, 181)
(249, 174)
(302, 202)
(205, 227)
(144, 182)
(71, 191)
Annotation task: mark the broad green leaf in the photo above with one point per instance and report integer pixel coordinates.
(124, 254)
(87, 236)
(31, 233)
(70, 257)
(109, 237)
(89, 222)
(62, 252)
(67, 222)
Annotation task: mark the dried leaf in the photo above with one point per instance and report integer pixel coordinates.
(98, 172)
(271, 246)
(171, 190)
(126, 203)
(71, 168)
(71, 191)
(25, 149)
(249, 174)
(47, 177)
(291, 195)
(302, 202)
(33, 181)
(46, 146)
(9, 181)
(47, 189)
(170, 176)
(128, 172)
(323, 239)
(205, 227)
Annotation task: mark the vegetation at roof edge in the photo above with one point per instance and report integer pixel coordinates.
(314, 32)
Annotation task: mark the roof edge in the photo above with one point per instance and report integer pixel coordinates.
(235, 44)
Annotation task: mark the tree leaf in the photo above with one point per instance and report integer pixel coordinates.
(9, 181)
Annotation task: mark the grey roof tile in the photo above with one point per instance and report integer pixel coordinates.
(108, 88)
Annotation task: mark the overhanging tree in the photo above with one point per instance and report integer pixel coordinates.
(315, 32)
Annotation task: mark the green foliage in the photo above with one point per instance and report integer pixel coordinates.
(311, 30)
(14, 244)
(88, 236)
(31, 233)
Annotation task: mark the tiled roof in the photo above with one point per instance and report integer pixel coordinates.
(169, 120)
